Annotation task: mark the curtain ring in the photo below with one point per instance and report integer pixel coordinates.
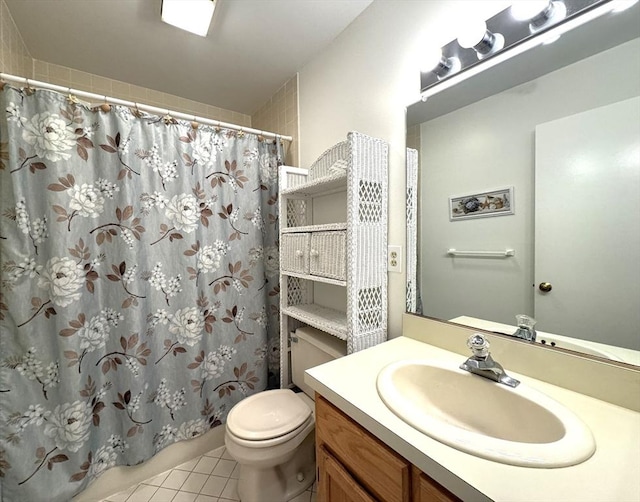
(168, 119)
(105, 107)
(218, 129)
(136, 111)
(194, 123)
(71, 98)
(241, 133)
(29, 90)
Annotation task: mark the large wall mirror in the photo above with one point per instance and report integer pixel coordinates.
(530, 171)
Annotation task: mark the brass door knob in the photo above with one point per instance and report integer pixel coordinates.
(545, 287)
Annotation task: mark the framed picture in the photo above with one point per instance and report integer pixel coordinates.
(483, 204)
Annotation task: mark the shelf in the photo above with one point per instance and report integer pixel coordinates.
(315, 228)
(322, 186)
(316, 278)
(330, 320)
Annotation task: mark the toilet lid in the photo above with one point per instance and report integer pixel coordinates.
(267, 415)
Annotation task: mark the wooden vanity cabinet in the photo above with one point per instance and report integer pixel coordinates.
(355, 466)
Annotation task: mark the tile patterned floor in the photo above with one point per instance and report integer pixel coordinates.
(213, 477)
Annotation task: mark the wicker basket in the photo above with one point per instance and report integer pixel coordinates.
(294, 253)
(327, 255)
(333, 160)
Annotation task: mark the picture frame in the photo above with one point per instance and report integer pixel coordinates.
(499, 202)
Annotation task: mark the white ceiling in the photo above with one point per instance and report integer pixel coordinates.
(252, 48)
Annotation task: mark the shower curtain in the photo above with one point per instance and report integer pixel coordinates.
(139, 294)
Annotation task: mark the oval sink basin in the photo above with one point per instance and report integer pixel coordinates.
(518, 426)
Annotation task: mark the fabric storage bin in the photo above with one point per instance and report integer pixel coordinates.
(294, 253)
(332, 161)
(327, 255)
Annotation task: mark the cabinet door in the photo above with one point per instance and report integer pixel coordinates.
(336, 484)
(327, 255)
(383, 472)
(426, 489)
(294, 252)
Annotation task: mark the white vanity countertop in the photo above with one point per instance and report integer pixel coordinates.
(611, 474)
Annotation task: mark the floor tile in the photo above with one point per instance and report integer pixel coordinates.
(175, 479)
(157, 480)
(230, 491)
(206, 465)
(121, 496)
(226, 455)
(185, 497)
(194, 482)
(188, 465)
(214, 486)
(143, 493)
(217, 453)
(303, 497)
(224, 468)
(236, 472)
(206, 498)
(163, 495)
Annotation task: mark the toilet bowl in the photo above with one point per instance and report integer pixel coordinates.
(270, 435)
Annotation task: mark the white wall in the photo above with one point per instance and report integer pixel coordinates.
(488, 145)
(364, 80)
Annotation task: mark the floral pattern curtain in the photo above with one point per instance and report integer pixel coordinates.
(139, 293)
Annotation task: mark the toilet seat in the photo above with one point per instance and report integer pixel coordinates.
(268, 418)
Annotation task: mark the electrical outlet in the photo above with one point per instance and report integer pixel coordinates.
(394, 259)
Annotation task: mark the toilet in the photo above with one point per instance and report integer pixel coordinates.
(271, 434)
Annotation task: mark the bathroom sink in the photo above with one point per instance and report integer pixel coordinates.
(518, 426)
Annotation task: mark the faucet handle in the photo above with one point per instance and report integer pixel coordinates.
(479, 345)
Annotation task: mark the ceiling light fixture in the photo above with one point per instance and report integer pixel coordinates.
(190, 15)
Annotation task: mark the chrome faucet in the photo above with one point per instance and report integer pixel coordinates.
(525, 328)
(481, 363)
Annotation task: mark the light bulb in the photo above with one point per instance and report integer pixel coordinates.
(523, 10)
(431, 59)
(546, 12)
(472, 33)
(620, 5)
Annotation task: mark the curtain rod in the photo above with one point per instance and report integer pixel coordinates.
(148, 108)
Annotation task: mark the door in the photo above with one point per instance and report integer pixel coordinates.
(587, 225)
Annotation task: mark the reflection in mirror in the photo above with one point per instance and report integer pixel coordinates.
(567, 141)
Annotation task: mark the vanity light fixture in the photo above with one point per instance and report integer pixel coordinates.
(476, 36)
(526, 24)
(435, 62)
(539, 13)
(191, 15)
(620, 5)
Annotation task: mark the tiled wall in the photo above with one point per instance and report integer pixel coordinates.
(69, 77)
(280, 114)
(14, 56)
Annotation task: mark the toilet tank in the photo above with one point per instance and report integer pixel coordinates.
(312, 348)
